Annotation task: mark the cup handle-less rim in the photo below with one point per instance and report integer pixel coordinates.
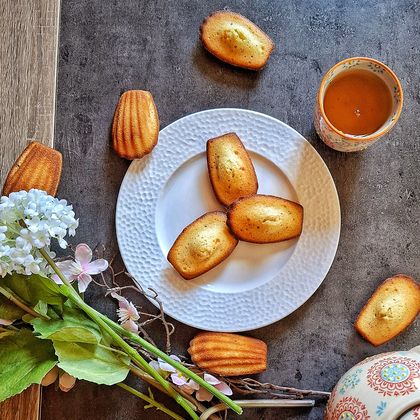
(399, 411)
(376, 134)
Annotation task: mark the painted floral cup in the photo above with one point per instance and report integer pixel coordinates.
(339, 140)
(382, 387)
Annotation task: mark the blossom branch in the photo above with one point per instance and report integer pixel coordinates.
(145, 377)
(248, 386)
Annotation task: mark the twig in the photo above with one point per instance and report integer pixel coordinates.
(248, 386)
(244, 386)
(258, 404)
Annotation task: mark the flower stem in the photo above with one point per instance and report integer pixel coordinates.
(197, 404)
(96, 316)
(70, 293)
(178, 366)
(18, 302)
(151, 401)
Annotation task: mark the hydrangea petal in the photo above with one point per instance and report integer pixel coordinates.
(178, 379)
(56, 279)
(83, 254)
(210, 379)
(224, 388)
(83, 280)
(130, 325)
(70, 269)
(96, 267)
(203, 395)
(166, 366)
(154, 364)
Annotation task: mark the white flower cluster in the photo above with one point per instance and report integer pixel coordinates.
(28, 222)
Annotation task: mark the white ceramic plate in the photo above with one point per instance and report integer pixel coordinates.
(258, 284)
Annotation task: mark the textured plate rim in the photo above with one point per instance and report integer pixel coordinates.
(335, 196)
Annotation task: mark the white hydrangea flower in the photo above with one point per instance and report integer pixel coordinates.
(28, 222)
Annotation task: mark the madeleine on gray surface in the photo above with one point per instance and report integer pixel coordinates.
(236, 40)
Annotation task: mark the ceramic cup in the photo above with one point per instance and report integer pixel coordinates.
(382, 387)
(335, 138)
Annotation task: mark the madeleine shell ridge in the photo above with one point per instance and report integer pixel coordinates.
(228, 354)
(38, 166)
(135, 127)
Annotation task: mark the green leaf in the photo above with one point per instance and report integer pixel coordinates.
(8, 310)
(34, 288)
(92, 362)
(24, 360)
(41, 308)
(74, 327)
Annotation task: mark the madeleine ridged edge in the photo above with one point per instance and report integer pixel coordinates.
(135, 127)
(228, 354)
(38, 166)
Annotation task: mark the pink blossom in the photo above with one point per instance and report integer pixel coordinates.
(188, 385)
(81, 268)
(204, 395)
(127, 313)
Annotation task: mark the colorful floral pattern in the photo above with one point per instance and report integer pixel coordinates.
(381, 408)
(350, 408)
(350, 381)
(389, 383)
(394, 376)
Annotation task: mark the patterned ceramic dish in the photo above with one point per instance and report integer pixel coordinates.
(382, 387)
(258, 284)
(335, 138)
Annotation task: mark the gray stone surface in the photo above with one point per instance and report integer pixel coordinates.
(110, 46)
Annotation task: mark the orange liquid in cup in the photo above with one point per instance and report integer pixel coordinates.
(357, 102)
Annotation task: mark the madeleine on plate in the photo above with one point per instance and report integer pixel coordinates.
(232, 174)
(202, 245)
(265, 218)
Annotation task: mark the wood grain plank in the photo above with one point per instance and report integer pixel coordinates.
(28, 51)
(28, 63)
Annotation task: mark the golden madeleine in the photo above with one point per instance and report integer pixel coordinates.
(135, 128)
(228, 354)
(202, 245)
(38, 166)
(232, 174)
(390, 310)
(234, 39)
(265, 219)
